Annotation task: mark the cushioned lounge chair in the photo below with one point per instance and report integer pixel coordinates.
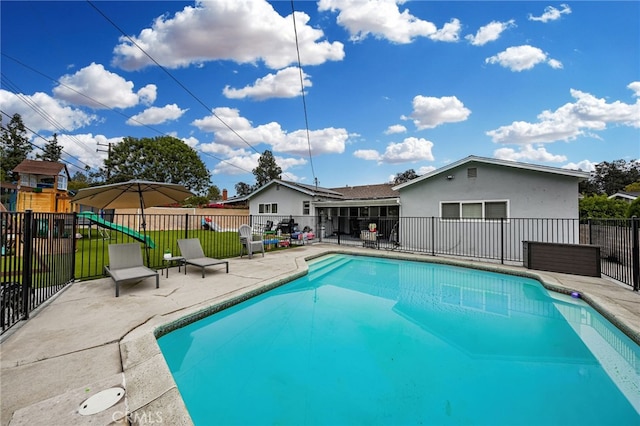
(191, 250)
(248, 243)
(125, 264)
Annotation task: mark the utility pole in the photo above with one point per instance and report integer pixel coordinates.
(108, 151)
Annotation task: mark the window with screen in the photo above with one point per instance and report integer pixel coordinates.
(470, 210)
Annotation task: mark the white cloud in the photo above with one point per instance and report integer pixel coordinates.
(191, 141)
(528, 153)
(383, 19)
(424, 170)
(156, 115)
(410, 150)
(450, 32)
(429, 112)
(584, 165)
(323, 141)
(551, 14)
(59, 117)
(95, 87)
(203, 33)
(84, 147)
(241, 161)
(635, 86)
(490, 32)
(555, 64)
(520, 58)
(570, 121)
(284, 84)
(396, 128)
(367, 154)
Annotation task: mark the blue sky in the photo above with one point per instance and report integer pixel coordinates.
(388, 86)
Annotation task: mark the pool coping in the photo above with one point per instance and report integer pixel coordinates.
(150, 385)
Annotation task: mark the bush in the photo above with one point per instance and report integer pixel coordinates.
(634, 208)
(602, 207)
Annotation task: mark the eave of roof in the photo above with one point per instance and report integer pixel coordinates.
(42, 168)
(494, 161)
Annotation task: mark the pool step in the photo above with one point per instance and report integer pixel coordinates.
(327, 265)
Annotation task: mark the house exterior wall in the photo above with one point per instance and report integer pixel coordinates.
(290, 203)
(529, 194)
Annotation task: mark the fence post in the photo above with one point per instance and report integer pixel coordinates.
(590, 238)
(635, 253)
(502, 240)
(74, 245)
(433, 236)
(27, 261)
(186, 225)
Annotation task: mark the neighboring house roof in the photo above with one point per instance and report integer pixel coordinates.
(383, 190)
(626, 195)
(493, 161)
(43, 168)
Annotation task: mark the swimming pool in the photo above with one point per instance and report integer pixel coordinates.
(364, 340)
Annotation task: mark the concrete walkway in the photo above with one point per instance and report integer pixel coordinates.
(86, 340)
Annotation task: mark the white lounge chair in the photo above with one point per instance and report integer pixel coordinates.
(191, 250)
(248, 243)
(125, 264)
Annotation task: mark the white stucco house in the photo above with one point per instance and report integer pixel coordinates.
(478, 195)
(627, 197)
(343, 210)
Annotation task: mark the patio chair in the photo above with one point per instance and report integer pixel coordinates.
(191, 250)
(248, 243)
(125, 264)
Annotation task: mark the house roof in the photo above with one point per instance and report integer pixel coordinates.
(628, 195)
(37, 167)
(494, 161)
(383, 190)
(314, 191)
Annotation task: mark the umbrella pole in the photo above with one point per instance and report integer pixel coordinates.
(144, 226)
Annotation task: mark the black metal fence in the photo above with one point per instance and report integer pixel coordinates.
(43, 252)
(619, 247)
(497, 240)
(37, 261)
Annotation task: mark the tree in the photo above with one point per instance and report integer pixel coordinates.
(634, 208)
(633, 187)
(213, 193)
(405, 177)
(602, 207)
(267, 169)
(609, 178)
(243, 189)
(83, 180)
(161, 159)
(51, 150)
(15, 146)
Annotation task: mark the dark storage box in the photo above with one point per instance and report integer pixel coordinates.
(576, 259)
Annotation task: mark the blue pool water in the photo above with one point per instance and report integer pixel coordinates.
(365, 341)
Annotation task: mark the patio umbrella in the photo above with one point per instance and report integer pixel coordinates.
(132, 194)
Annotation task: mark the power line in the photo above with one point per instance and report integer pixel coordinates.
(43, 138)
(41, 112)
(173, 77)
(128, 117)
(304, 102)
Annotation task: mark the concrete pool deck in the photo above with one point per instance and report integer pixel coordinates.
(86, 340)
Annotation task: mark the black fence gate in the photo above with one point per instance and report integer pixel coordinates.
(37, 259)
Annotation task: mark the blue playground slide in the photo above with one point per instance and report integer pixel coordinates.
(114, 226)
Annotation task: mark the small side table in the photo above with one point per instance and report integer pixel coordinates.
(172, 261)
